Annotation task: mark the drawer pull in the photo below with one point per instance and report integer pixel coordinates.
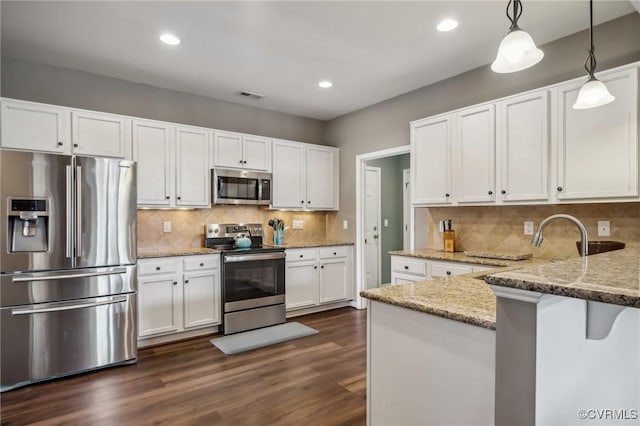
(406, 267)
(175, 283)
(157, 268)
(301, 256)
(448, 272)
(202, 264)
(322, 267)
(186, 281)
(315, 267)
(60, 143)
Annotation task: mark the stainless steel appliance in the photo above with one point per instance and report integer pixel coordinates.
(253, 279)
(67, 265)
(240, 187)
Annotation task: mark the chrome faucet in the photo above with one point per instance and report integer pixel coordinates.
(584, 238)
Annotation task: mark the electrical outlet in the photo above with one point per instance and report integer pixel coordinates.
(386, 223)
(298, 224)
(166, 226)
(345, 224)
(604, 228)
(528, 228)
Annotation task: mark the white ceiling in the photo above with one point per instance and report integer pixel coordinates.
(371, 50)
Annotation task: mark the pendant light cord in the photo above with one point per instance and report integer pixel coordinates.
(517, 11)
(590, 63)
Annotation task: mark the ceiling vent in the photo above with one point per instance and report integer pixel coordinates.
(252, 95)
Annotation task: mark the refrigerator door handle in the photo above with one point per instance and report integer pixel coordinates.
(69, 306)
(30, 278)
(78, 211)
(69, 203)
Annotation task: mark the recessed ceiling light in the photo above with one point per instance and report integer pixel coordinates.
(325, 84)
(447, 25)
(169, 39)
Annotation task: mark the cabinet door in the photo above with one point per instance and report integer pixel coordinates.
(333, 280)
(201, 299)
(152, 141)
(301, 284)
(288, 175)
(475, 151)
(35, 127)
(431, 161)
(101, 134)
(598, 147)
(256, 152)
(157, 305)
(192, 167)
(523, 148)
(404, 279)
(322, 177)
(227, 148)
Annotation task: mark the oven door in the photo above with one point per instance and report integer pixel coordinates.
(251, 280)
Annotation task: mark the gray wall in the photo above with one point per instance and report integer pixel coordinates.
(61, 86)
(391, 208)
(386, 124)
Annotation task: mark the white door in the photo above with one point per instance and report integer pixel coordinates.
(302, 284)
(256, 153)
(227, 149)
(35, 127)
(333, 280)
(476, 155)
(201, 299)
(157, 305)
(431, 143)
(289, 182)
(321, 177)
(152, 142)
(406, 209)
(192, 167)
(372, 228)
(95, 133)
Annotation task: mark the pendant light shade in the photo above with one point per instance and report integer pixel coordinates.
(593, 93)
(517, 51)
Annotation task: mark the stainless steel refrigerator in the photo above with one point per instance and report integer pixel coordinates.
(67, 265)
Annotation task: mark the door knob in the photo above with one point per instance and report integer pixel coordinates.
(375, 237)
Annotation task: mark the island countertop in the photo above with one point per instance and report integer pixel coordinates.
(434, 254)
(612, 277)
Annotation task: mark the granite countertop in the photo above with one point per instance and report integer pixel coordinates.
(612, 277)
(147, 254)
(434, 254)
(312, 244)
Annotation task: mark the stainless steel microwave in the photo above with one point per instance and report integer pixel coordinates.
(230, 186)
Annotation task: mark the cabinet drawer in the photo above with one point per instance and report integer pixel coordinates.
(151, 267)
(197, 263)
(330, 252)
(295, 255)
(439, 270)
(416, 267)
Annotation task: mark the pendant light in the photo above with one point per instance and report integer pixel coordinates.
(593, 93)
(517, 51)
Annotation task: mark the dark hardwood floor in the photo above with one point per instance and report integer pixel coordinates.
(316, 380)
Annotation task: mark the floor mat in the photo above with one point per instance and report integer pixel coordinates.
(248, 340)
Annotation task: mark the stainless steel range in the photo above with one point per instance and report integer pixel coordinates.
(253, 279)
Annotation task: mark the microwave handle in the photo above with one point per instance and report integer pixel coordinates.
(259, 189)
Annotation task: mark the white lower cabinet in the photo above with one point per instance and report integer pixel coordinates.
(317, 276)
(178, 294)
(406, 269)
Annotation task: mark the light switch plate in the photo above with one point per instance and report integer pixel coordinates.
(528, 227)
(345, 224)
(298, 224)
(166, 226)
(604, 228)
(386, 223)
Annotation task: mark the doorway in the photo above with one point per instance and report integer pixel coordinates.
(380, 224)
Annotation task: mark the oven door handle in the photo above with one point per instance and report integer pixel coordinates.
(249, 257)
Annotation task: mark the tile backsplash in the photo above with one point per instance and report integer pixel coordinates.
(500, 229)
(187, 226)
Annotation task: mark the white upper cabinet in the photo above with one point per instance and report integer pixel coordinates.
(305, 176)
(35, 127)
(523, 148)
(475, 153)
(100, 134)
(240, 151)
(192, 166)
(322, 177)
(597, 148)
(431, 151)
(289, 178)
(173, 167)
(152, 142)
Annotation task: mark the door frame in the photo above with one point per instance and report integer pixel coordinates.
(378, 170)
(361, 167)
(406, 209)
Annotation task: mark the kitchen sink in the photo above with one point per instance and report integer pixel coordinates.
(595, 247)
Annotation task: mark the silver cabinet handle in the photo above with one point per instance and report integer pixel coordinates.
(78, 211)
(68, 307)
(116, 271)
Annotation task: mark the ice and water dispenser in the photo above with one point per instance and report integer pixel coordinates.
(28, 224)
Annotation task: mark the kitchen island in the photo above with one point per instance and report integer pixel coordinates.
(434, 357)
